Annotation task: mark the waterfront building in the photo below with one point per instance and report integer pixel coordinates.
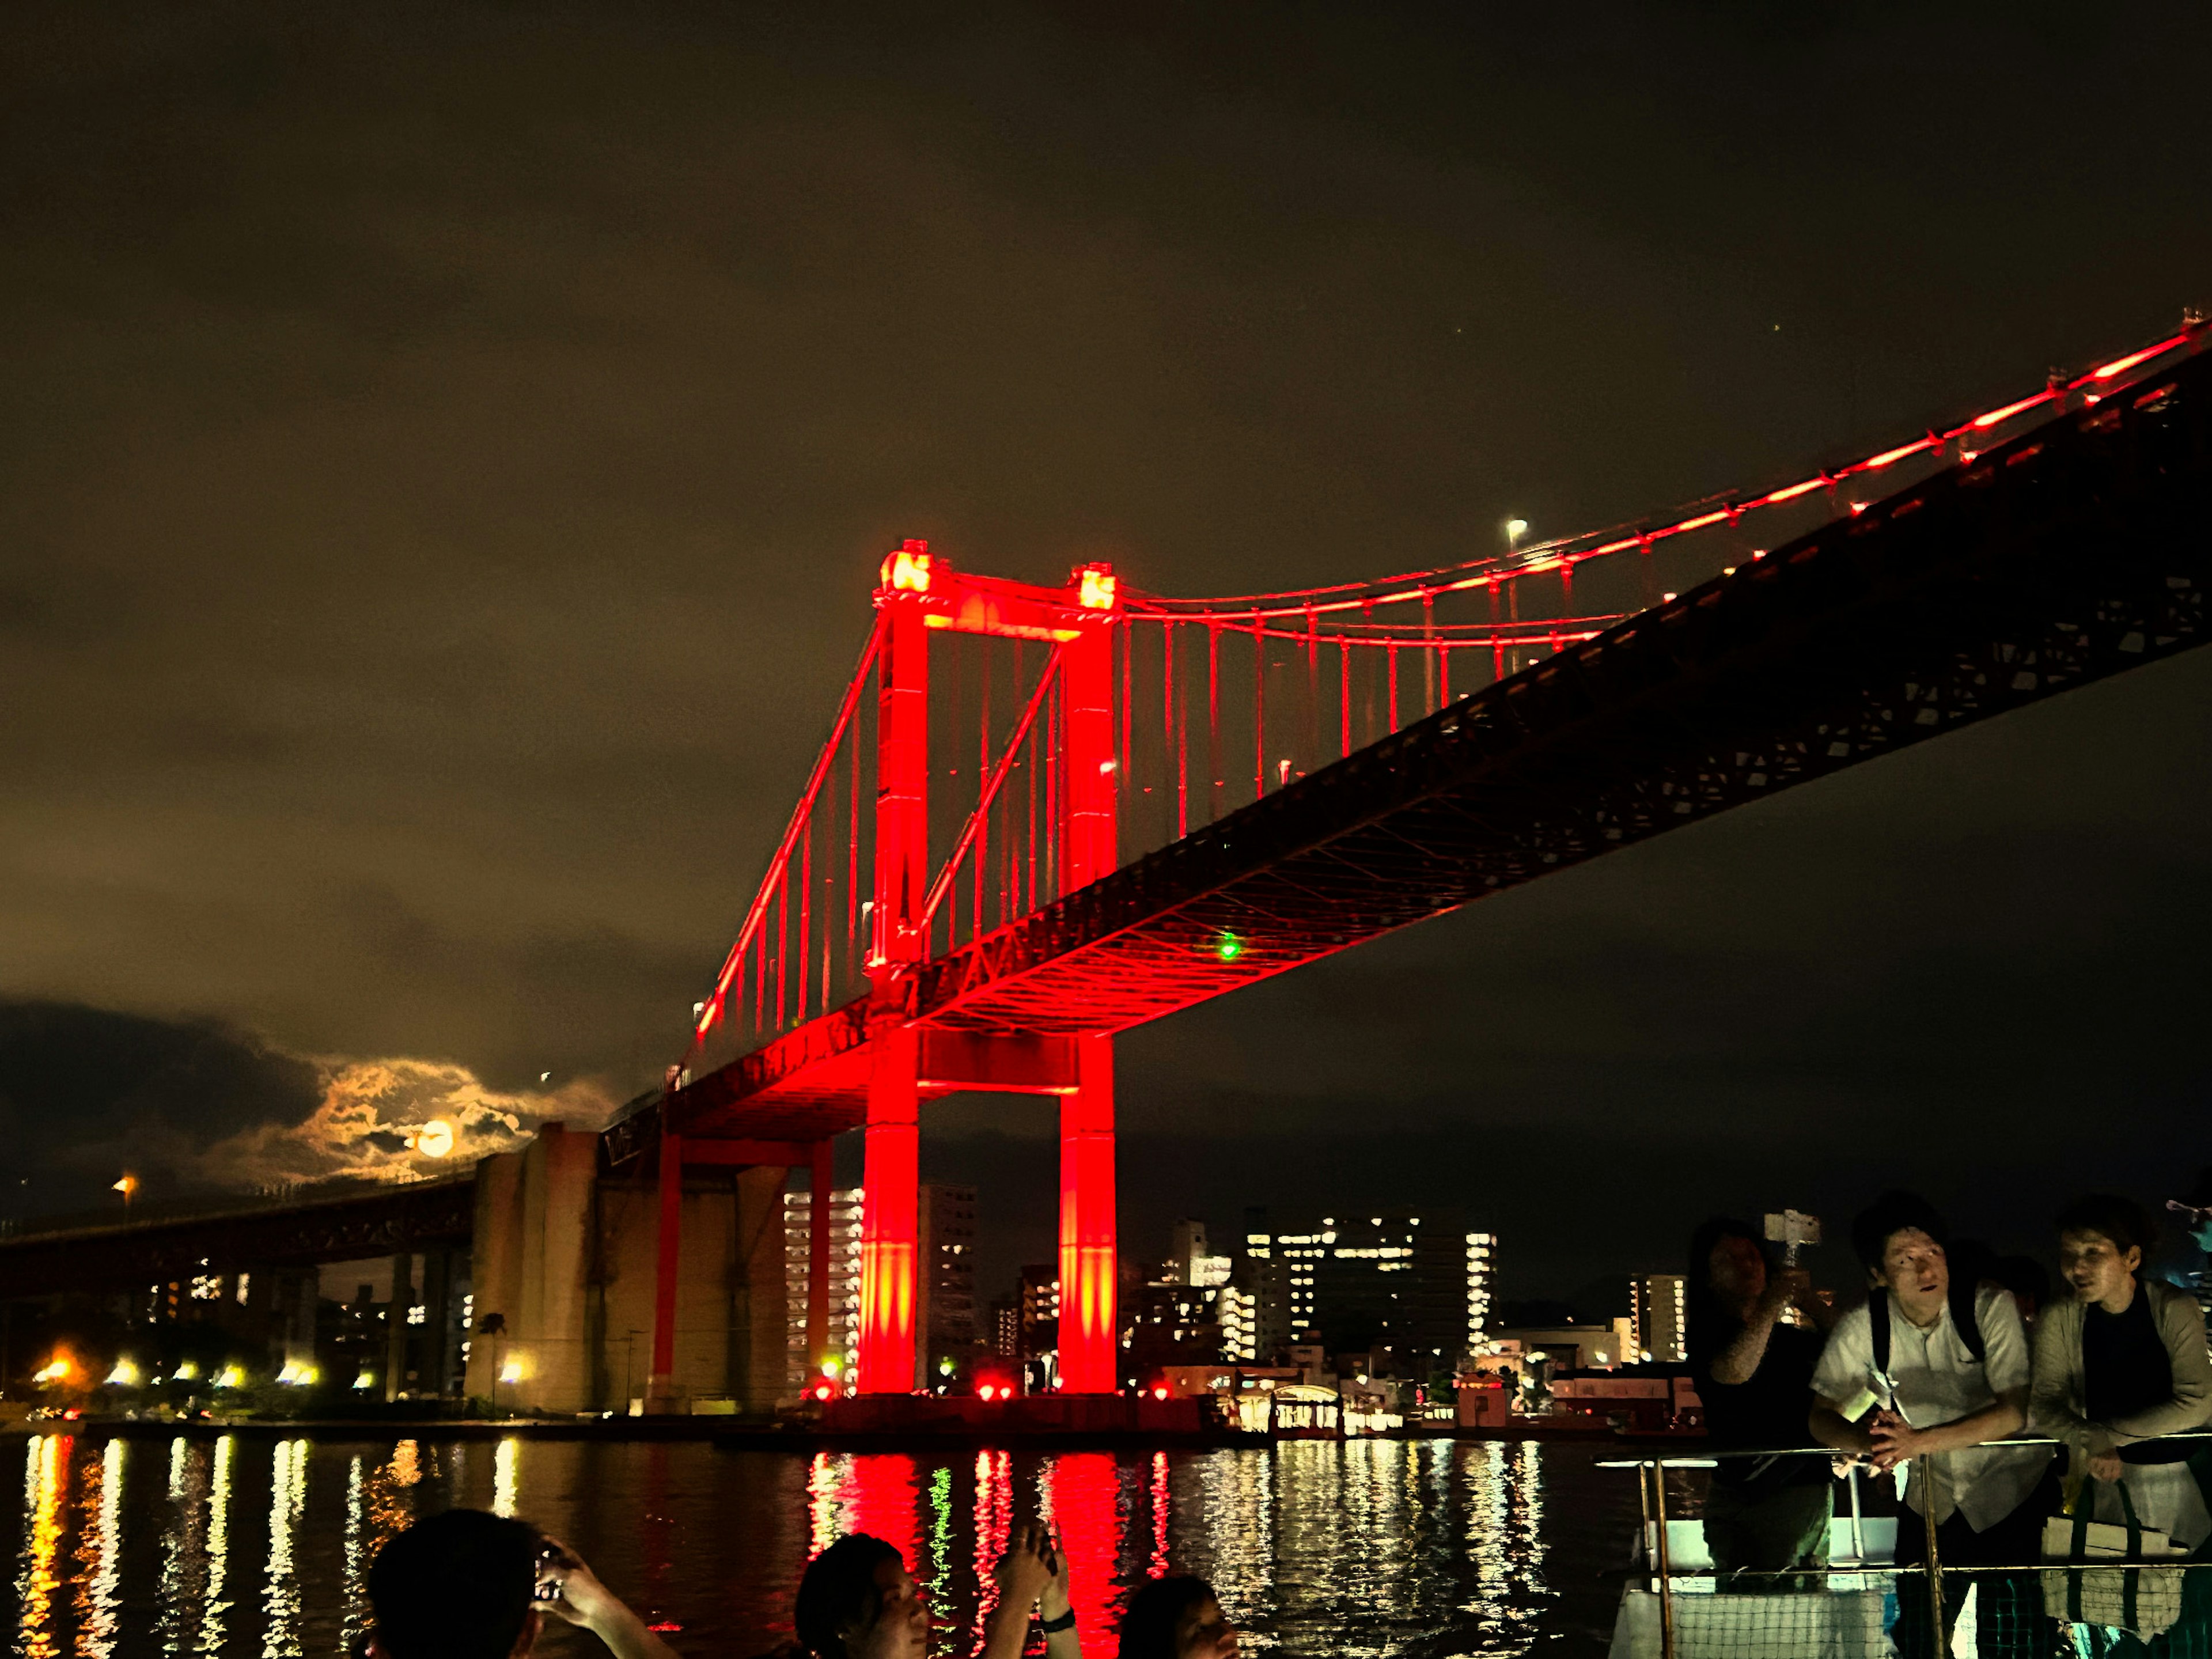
(944, 1320)
(845, 1205)
(1420, 1284)
(1040, 1312)
(1656, 1304)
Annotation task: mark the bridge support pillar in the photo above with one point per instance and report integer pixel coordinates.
(1090, 1353)
(890, 1219)
(661, 1387)
(820, 1176)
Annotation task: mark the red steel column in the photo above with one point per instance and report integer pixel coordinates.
(1089, 1338)
(888, 1222)
(1089, 1344)
(818, 1260)
(892, 1174)
(660, 1388)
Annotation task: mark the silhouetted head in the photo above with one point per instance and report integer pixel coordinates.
(457, 1585)
(1176, 1618)
(2028, 1280)
(1729, 1267)
(857, 1601)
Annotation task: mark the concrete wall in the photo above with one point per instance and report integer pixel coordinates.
(729, 1311)
(567, 1261)
(532, 1253)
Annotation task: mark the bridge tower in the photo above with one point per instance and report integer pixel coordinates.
(920, 596)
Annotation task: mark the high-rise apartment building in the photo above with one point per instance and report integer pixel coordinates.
(944, 1322)
(1655, 1304)
(1419, 1285)
(1040, 1307)
(845, 1211)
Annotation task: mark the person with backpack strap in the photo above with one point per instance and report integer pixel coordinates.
(1931, 1371)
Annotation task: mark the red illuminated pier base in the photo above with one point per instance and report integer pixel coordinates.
(920, 596)
(1088, 1349)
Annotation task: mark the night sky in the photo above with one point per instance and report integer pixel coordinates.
(447, 449)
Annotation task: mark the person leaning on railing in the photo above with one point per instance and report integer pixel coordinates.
(1764, 1516)
(1931, 1373)
(2118, 1368)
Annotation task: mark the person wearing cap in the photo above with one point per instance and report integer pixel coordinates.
(1930, 1376)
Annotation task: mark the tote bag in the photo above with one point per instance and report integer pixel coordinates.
(2145, 1600)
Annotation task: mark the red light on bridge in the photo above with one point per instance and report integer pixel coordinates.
(2122, 365)
(907, 571)
(1983, 422)
(1876, 462)
(1791, 492)
(1160, 1393)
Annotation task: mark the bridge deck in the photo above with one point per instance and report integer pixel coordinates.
(310, 1228)
(2075, 551)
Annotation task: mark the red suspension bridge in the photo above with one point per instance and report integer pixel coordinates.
(1046, 815)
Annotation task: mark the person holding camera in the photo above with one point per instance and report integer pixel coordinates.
(857, 1599)
(465, 1584)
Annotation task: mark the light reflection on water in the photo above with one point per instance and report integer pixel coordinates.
(260, 1547)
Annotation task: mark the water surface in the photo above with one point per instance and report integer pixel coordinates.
(258, 1548)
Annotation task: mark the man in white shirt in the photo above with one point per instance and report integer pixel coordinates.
(1922, 1375)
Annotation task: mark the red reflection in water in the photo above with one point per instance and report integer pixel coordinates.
(1086, 1509)
(1158, 1568)
(994, 1515)
(879, 1500)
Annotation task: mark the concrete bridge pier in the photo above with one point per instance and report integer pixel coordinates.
(594, 1291)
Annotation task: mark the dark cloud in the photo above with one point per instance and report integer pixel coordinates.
(81, 1089)
(190, 1106)
(448, 449)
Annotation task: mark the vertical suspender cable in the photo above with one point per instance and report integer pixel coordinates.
(853, 866)
(1313, 690)
(982, 855)
(1213, 719)
(1444, 663)
(1259, 711)
(1031, 818)
(1125, 768)
(782, 941)
(1391, 651)
(1429, 655)
(1343, 697)
(1171, 736)
(806, 913)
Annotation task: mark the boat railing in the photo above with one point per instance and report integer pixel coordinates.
(1859, 1600)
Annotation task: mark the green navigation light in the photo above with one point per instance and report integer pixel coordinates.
(1229, 947)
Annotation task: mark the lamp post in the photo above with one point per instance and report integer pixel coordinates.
(127, 1186)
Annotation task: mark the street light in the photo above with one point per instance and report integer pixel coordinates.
(127, 1186)
(1515, 530)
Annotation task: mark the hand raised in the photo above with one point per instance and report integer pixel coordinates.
(1026, 1568)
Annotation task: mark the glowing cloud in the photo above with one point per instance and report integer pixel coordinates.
(391, 1119)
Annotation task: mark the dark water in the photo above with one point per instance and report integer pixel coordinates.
(259, 1547)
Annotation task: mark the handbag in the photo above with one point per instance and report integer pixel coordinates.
(2144, 1601)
